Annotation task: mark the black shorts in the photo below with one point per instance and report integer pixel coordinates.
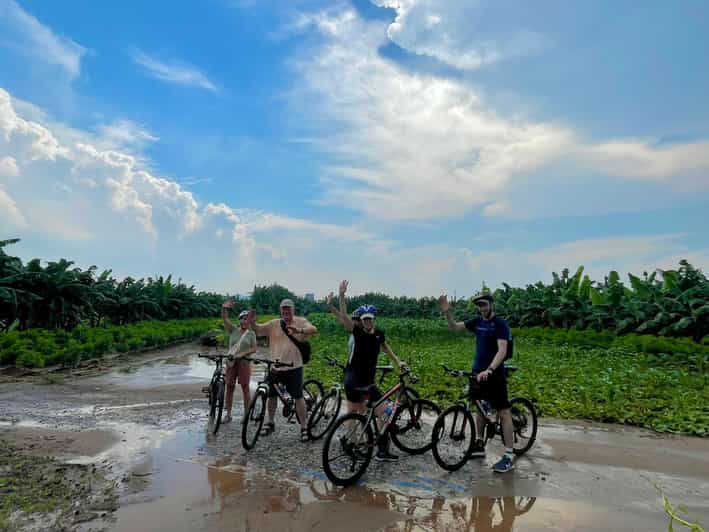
(494, 389)
(355, 396)
(293, 381)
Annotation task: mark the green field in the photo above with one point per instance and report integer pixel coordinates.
(666, 392)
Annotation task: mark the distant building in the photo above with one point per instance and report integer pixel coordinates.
(309, 297)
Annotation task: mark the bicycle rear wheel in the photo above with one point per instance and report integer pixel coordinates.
(324, 415)
(219, 403)
(348, 449)
(412, 427)
(312, 392)
(453, 438)
(524, 420)
(255, 415)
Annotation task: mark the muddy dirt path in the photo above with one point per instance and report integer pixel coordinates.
(145, 423)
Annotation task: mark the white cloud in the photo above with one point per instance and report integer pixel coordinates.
(446, 30)
(32, 38)
(411, 146)
(9, 212)
(8, 167)
(126, 133)
(173, 71)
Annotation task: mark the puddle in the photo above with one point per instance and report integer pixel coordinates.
(185, 369)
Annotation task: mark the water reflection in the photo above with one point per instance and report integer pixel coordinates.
(228, 483)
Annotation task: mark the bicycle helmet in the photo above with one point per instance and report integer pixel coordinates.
(243, 314)
(368, 311)
(357, 313)
(479, 298)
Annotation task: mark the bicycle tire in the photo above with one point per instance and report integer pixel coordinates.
(312, 392)
(212, 400)
(444, 431)
(255, 415)
(326, 411)
(359, 453)
(219, 386)
(412, 426)
(521, 423)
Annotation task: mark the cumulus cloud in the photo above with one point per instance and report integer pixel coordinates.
(24, 33)
(449, 31)
(412, 146)
(126, 133)
(173, 71)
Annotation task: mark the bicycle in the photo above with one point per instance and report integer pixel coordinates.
(354, 435)
(215, 390)
(327, 409)
(454, 431)
(255, 415)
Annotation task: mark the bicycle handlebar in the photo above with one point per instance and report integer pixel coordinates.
(268, 362)
(216, 355)
(457, 372)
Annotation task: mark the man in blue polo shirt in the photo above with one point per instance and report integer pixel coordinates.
(492, 335)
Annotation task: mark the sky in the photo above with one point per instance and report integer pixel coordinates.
(414, 147)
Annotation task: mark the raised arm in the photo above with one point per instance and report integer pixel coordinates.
(260, 330)
(446, 309)
(225, 315)
(345, 318)
(332, 308)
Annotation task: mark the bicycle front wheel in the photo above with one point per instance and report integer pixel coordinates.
(412, 427)
(453, 438)
(324, 415)
(255, 415)
(348, 449)
(219, 395)
(524, 420)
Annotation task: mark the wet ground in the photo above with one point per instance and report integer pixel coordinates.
(145, 423)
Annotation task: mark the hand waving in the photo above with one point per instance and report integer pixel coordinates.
(343, 287)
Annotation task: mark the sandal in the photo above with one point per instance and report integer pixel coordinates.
(268, 428)
(304, 435)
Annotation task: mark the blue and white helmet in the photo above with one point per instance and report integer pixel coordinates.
(357, 313)
(368, 311)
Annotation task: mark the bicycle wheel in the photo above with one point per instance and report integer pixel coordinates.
(219, 395)
(348, 449)
(412, 426)
(212, 398)
(453, 438)
(312, 392)
(255, 415)
(324, 415)
(524, 419)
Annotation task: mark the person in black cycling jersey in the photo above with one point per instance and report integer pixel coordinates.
(492, 334)
(361, 367)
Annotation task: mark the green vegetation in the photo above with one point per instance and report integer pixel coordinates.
(677, 514)
(60, 296)
(588, 376)
(40, 347)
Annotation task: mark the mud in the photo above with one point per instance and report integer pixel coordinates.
(146, 423)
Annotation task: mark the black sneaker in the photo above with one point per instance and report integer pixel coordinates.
(478, 450)
(385, 456)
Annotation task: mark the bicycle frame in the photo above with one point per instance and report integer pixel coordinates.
(400, 390)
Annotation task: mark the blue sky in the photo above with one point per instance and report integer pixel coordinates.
(412, 146)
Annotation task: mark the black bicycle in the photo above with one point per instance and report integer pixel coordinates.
(216, 389)
(454, 433)
(251, 429)
(327, 409)
(349, 445)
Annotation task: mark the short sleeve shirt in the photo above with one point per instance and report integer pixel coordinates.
(487, 333)
(280, 346)
(240, 344)
(362, 366)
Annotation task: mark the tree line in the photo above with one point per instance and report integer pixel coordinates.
(62, 296)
